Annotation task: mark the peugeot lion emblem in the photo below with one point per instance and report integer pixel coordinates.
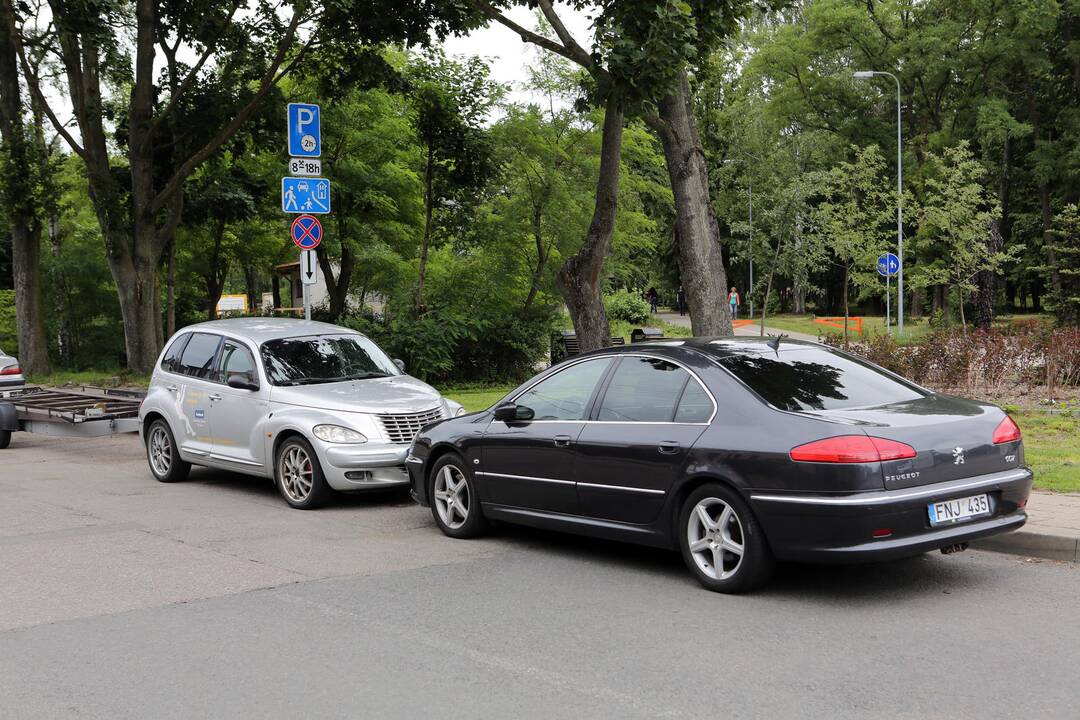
(958, 455)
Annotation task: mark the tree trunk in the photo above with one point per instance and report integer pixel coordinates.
(170, 291)
(429, 199)
(986, 297)
(217, 272)
(541, 255)
(1048, 237)
(847, 311)
(251, 284)
(580, 276)
(960, 299)
(697, 232)
(337, 289)
(18, 197)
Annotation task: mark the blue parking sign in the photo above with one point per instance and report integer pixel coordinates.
(305, 132)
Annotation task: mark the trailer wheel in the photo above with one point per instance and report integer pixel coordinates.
(5, 438)
(162, 455)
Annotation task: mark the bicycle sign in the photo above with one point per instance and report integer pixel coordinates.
(307, 232)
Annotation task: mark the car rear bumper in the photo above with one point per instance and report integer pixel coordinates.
(841, 528)
(364, 467)
(12, 381)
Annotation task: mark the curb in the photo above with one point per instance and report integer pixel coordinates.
(1032, 544)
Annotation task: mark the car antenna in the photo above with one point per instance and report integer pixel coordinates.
(774, 342)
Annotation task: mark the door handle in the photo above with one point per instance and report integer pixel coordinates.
(669, 447)
(562, 440)
(171, 388)
(214, 396)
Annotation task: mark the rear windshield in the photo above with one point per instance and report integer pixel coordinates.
(817, 379)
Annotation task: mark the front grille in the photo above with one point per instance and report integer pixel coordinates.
(401, 429)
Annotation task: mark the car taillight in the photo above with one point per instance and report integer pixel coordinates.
(11, 370)
(1007, 431)
(852, 449)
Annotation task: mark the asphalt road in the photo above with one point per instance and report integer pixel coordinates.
(124, 598)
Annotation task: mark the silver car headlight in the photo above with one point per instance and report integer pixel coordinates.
(337, 434)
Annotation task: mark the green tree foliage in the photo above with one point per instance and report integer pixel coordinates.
(1065, 244)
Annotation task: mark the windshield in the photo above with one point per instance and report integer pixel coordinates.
(324, 359)
(817, 379)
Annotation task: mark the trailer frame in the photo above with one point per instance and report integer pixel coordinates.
(66, 412)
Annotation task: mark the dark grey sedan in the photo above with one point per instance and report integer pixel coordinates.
(737, 452)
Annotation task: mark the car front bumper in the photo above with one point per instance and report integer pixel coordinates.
(841, 528)
(363, 467)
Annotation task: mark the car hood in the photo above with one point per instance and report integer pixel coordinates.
(399, 394)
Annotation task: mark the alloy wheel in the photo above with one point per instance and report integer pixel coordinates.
(716, 539)
(452, 499)
(160, 450)
(296, 473)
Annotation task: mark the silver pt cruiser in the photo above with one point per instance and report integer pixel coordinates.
(314, 406)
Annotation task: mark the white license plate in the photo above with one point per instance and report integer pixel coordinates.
(950, 511)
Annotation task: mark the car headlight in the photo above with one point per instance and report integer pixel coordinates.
(337, 434)
(461, 411)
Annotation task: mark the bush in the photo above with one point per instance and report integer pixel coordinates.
(9, 338)
(627, 306)
(441, 347)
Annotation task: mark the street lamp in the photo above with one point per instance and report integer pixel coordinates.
(866, 75)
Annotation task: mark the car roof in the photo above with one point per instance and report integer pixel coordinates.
(261, 329)
(719, 346)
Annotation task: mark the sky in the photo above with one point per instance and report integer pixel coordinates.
(509, 55)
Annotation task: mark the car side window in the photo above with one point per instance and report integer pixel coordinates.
(171, 361)
(235, 359)
(198, 358)
(643, 390)
(695, 406)
(565, 395)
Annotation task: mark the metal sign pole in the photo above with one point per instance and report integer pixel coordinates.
(307, 302)
(888, 303)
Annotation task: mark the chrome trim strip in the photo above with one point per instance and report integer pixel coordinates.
(525, 477)
(647, 491)
(414, 460)
(238, 461)
(890, 496)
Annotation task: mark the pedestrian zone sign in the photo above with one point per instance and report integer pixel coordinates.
(305, 195)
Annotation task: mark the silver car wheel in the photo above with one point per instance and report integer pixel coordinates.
(716, 538)
(296, 472)
(452, 499)
(159, 449)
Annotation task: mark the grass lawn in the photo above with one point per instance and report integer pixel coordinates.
(95, 378)
(1052, 449)
(872, 325)
(474, 398)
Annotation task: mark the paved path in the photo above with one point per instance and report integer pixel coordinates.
(121, 597)
(745, 331)
(1052, 530)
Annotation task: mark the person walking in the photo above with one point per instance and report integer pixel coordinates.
(681, 300)
(652, 296)
(734, 301)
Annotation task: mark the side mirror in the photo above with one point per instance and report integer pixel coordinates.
(510, 412)
(241, 381)
(400, 364)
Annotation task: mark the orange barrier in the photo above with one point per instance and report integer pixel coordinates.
(741, 323)
(838, 322)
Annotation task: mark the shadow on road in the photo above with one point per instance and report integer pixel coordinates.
(256, 487)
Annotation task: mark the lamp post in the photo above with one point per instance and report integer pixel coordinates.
(866, 75)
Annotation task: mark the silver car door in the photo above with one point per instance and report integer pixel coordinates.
(194, 433)
(239, 413)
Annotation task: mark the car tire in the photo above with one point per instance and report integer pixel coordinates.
(717, 528)
(5, 438)
(162, 454)
(299, 476)
(455, 504)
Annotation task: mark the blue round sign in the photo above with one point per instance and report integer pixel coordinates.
(307, 232)
(888, 265)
